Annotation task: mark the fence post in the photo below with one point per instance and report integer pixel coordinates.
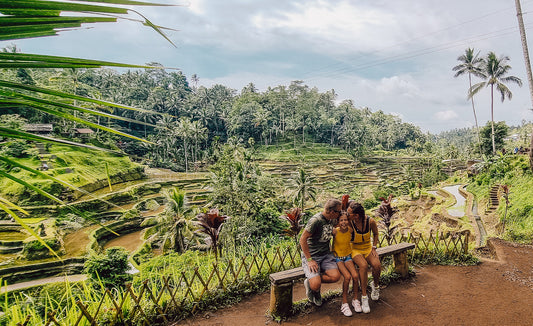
(465, 243)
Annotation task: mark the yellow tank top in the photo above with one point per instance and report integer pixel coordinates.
(361, 240)
(341, 243)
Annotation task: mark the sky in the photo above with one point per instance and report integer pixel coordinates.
(394, 56)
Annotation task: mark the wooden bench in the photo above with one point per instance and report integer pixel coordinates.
(281, 282)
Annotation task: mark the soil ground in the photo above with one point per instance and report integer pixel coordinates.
(499, 291)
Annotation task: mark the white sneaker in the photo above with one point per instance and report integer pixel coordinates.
(345, 309)
(318, 298)
(375, 292)
(357, 305)
(366, 307)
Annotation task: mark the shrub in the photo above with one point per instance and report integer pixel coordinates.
(34, 249)
(109, 269)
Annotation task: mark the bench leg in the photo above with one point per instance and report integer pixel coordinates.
(281, 299)
(401, 266)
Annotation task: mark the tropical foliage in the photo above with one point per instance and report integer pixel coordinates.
(495, 72)
(210, 223)
(303, 188)
(173, 228)
(23, 19)
(294, 217)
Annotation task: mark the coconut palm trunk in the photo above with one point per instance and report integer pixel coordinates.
(474, 110)
(492, 118)
(528, 68)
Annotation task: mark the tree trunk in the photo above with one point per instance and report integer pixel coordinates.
(528, 68)
(475, 116)
(492, 118)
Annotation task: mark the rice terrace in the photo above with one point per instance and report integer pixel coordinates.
(136, 194)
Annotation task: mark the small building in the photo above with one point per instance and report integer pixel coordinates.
(83, 132)
(43, 129)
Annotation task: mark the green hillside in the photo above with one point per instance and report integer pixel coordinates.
(77, 166)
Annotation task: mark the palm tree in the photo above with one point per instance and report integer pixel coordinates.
(184, 130)
(471, 65)
(303, 188)
(172, 226)
(495, 70)
(528, 67)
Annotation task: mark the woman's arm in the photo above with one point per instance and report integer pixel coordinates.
(375, 233)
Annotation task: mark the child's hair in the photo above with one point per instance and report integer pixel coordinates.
(343, 214)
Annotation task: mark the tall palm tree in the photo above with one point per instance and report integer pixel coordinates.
(471, 64)
(495, 70)
(184, 130)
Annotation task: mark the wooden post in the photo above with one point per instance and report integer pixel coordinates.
(281, 299)
(400, 264)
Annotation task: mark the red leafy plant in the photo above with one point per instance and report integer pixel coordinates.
(294, 217)
(386, 213)
(211, 223)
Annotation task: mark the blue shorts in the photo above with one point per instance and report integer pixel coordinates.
(343, 259)
(325, 262)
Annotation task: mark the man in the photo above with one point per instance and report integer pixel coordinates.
(317, 260)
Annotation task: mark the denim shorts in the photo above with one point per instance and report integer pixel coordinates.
(343, 259)
(325, 262)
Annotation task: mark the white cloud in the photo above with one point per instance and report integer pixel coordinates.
(197, 7)
(398, 86)
(446, 115)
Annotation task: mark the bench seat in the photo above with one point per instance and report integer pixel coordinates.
(281, 282)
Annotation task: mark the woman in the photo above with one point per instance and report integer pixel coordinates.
(364, 251)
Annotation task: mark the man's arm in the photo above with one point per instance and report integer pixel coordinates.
(313, 266)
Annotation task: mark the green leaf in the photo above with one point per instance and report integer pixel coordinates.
(9, 84)
(12, 133)
(12, 205)
(77, 108)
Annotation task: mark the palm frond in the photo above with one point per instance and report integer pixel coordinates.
(35, 18)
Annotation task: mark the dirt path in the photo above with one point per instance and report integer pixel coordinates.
(53, 279)
(499, 291)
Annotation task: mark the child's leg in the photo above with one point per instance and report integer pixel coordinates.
(355, 277)
(346, 282)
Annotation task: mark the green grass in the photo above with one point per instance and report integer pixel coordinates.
(519, 223)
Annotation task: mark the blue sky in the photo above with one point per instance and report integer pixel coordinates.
(394, 56)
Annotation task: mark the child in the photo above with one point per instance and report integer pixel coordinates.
(342, 249)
